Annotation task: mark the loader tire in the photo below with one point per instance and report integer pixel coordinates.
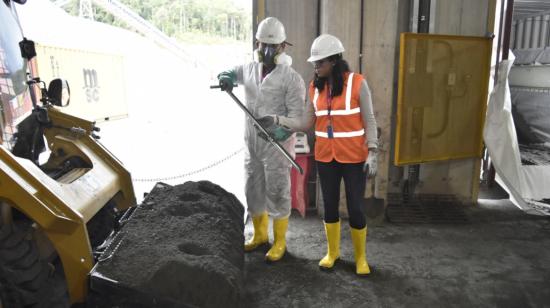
(25, 280)
(8, 298)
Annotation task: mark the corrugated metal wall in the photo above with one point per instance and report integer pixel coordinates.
(95, 80)
(531, 24)
(531, 32)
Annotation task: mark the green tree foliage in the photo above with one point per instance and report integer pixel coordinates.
(179, 18)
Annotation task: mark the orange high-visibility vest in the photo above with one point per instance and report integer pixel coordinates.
(348, 142)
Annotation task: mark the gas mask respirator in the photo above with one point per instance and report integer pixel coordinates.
(268, 54)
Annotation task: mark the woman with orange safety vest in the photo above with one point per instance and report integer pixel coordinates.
(346, 141)
(345, 144)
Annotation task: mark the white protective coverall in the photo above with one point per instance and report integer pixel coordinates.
(267, 172)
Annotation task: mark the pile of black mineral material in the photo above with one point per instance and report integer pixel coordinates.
(183, 245)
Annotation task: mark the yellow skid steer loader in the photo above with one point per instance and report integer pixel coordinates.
(71, 233)
(58, 206)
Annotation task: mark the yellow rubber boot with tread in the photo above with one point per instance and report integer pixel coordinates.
(279, 243)
(260, 232)
(359, 239)
(332, 231)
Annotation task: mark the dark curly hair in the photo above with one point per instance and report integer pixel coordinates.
(340, 67)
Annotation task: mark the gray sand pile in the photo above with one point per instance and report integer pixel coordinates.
(183, 246)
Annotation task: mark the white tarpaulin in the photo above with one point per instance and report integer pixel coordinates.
(525, 183)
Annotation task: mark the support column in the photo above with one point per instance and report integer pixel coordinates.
(342, 18)
(300, 21)
(383, 21)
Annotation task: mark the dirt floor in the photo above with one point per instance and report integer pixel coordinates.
(499, 258)
(535, 154)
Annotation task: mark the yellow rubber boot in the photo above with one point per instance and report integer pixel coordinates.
(359, 239)
(279, 244)
(260, 232)
(332, 231)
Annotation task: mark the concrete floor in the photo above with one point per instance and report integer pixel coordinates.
(499, 259)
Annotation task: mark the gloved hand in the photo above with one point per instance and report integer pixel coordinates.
(279, 133)
(268, 121)
(371, 165)
(226, 80)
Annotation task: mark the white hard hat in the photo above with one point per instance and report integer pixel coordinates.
(324, 46)
(271, 31)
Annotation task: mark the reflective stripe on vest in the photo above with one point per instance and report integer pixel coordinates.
(338, 112)
(341, 135)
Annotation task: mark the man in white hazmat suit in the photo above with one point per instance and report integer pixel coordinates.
(275, 94)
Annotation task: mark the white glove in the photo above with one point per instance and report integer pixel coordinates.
(371, 165)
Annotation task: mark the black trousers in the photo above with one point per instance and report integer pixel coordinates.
(355, 179)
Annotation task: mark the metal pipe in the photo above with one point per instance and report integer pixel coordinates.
(318, 17)
(535, 32)
(544, 30)
(519, 34)
(361, 37)
(527, 31)
(424, 16)
(262, 130)
(414, 16)
(499, 42)
(409, 187)
(512, 36)
(433, 8)
(507, 27)
(445, 122)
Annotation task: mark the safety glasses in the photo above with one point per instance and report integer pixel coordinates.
(319, 63)
(266, 45)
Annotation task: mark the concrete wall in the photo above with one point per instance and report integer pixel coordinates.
(465, 17)
(342, 18)
(300, 20)
(384, 20)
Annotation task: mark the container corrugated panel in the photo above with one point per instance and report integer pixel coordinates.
(443, 87)
(96, 80)
(530, 31)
